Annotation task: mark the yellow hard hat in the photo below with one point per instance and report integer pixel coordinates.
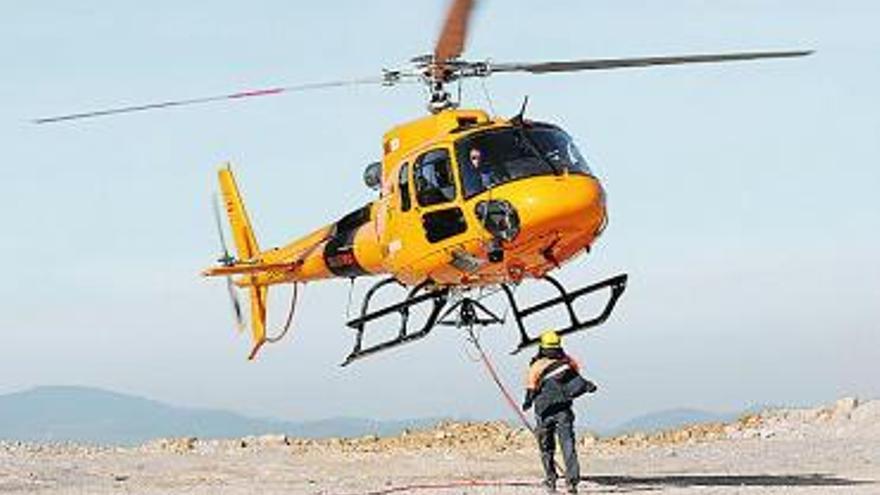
(550, 340)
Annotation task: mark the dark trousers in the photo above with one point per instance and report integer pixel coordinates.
(559, 423)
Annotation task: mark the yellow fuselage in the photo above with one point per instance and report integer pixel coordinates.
(559, 215)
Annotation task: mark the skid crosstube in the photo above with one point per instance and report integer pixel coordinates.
(616, 285)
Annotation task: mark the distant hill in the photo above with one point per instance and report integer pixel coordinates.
(90, 415)
(671, 418)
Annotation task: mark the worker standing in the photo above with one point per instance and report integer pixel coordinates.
(552, 383)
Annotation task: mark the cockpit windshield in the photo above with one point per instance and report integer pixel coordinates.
(497, 156)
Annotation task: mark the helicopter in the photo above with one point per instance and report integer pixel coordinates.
(467, 202)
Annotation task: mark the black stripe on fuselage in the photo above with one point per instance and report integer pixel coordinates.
(339, 251)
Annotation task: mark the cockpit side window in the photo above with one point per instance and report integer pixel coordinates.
(501, 155)
(433, 179)
(559, 148)
(403, 180)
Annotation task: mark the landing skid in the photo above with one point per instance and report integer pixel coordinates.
(468, 312)
(615, 284)
(437, 297)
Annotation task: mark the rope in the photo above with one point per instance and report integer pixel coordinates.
(293, 298)
(290, 313)
(450, 485)
(487, 363)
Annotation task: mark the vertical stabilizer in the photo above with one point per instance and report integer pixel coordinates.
(247, 250)
(242, 232)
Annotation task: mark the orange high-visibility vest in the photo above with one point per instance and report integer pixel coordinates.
(539, 367)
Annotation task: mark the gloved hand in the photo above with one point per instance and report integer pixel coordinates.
(527, 402)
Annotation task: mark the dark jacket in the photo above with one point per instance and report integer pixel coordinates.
(549, 370)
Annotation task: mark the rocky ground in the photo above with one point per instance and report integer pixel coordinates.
(834, 449)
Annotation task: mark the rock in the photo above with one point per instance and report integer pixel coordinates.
(178, 445)
(276, 440)
(588, 439)
(843, 408)
(767, 433)
(249, 441)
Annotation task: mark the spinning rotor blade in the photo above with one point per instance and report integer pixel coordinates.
(389, 78)
(215, 208)
(236, 305)
(228, 260)
(619, 63)
(450, 44)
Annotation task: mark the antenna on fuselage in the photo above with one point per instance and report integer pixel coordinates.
(518, 118)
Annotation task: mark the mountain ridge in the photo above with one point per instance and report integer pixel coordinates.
(59, 413)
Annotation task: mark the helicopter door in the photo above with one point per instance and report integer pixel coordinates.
(402, 234)
(435, 190)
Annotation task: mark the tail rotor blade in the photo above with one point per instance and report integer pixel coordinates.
(236, 305)
(218, 223)
(228, 260)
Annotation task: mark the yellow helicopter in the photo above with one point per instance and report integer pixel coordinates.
(466, 202)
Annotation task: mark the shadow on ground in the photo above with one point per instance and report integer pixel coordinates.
(644, 483)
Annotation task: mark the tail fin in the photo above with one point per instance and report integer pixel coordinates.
(247, 249)
(242, 232)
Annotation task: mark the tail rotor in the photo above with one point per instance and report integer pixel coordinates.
(228, 260)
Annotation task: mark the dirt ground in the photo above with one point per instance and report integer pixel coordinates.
(834, 449)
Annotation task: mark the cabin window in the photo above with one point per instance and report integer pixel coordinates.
(432, 175)
(403, 180)
(560, 149)
(498, 156)
(443, 224)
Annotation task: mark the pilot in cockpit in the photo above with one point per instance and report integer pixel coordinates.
(477, 177)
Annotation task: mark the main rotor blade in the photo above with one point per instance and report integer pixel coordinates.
(450, 44)
(619, 63)
(232, 96)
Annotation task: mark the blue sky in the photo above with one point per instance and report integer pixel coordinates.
(742, 198)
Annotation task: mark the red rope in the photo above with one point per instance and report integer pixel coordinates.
(450, 485)
(497, 379)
